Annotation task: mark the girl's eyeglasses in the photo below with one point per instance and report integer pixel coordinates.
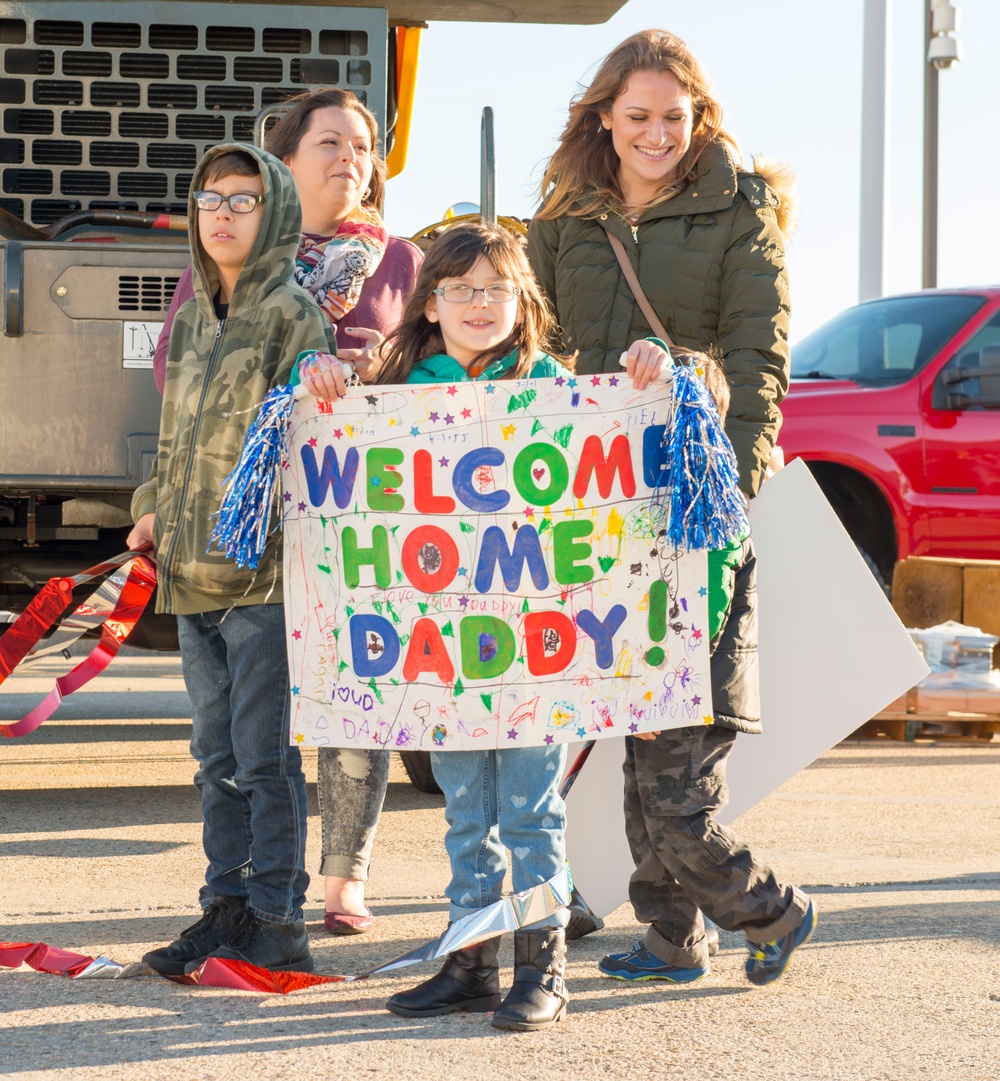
(462, 294)
(241, 202)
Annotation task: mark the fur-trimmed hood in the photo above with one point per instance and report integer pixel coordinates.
(782, 180)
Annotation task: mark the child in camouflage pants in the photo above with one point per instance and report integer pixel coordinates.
(686, 863)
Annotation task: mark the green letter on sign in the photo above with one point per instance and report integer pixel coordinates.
(355, 558)
(379, 462)
(566, 552)
(527, 475)
(487, 647)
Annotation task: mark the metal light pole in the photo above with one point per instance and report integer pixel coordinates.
(874, 148)
(941, 50)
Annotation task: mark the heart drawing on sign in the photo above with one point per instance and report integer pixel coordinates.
(537, 473)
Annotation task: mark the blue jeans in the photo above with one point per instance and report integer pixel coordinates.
(253, 792)
(496, 799)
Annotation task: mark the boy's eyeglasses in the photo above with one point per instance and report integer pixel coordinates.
(241, 202)
(462, 294)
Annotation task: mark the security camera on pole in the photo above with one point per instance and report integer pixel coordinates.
(942, 49)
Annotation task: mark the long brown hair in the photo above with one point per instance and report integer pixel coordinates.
(581, 178)
(450, 256)
(284, 138)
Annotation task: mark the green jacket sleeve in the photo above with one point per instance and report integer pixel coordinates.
(722, 567)
(316, 336)
(144, 497)
(543, 248)
(753, 331)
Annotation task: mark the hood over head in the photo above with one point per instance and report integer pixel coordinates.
(272, 257)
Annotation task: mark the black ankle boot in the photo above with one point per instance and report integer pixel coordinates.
(469, 980)
(538, 997)
(195, 943)
(582, 919)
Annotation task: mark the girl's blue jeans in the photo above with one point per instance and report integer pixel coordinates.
(496, 799)
(253, 792)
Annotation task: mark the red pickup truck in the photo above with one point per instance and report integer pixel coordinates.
(895, 407)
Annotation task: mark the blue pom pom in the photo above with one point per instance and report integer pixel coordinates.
(699, 487)
(245, 518)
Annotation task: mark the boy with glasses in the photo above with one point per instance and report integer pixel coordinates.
(229, 345)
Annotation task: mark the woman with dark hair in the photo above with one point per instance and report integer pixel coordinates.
(361, 278)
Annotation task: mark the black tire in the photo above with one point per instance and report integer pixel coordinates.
(418, 768)
(876, 573)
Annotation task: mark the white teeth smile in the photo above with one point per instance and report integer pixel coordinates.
(653, 153)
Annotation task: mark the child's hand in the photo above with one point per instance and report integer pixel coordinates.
(142, 533)
(646, 735)
(323, 376)
(644, 361)
(368, 359)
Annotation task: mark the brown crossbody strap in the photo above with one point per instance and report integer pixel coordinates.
(640, 297)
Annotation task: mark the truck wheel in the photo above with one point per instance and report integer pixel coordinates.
(418, 768)
(876, 573)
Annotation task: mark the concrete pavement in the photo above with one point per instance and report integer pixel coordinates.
(100, 852)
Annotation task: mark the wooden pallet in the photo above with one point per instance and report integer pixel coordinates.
(902, 725)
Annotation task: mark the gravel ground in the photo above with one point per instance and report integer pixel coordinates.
(100, 852)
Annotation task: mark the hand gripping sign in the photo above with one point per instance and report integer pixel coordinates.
(486, 565)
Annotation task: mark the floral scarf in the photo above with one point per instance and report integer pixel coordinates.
(334, 270)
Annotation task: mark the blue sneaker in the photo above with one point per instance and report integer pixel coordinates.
(639, 964)
(768, 960)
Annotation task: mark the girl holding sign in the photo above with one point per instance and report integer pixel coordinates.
(476, 313)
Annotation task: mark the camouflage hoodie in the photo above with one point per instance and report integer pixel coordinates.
(217, 373)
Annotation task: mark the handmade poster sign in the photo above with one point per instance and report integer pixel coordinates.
(485, 565)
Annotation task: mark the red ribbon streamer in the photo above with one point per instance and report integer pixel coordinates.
(42, 958)
(49, 605)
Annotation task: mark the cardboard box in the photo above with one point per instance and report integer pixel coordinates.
(981, 599)
(926, 592)
(944, 700)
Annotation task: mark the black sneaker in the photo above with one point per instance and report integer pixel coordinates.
(197, 942)
(280, 947)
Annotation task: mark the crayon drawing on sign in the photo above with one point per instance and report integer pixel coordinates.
(484, 565)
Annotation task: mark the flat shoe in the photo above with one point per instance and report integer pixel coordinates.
(342, 923)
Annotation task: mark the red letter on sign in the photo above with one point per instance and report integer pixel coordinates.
(424, 498)
(429, 558)
(549, 642)
(592, 460)
(426, 652)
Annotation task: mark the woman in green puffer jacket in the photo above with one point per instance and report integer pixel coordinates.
(644, 156)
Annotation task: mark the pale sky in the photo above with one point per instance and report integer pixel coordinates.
(788, 73)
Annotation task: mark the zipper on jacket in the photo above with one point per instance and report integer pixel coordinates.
(164, 576)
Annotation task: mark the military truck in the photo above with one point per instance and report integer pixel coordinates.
(106, 108)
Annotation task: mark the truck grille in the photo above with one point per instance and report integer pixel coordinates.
(145, 294)
(116, 114)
